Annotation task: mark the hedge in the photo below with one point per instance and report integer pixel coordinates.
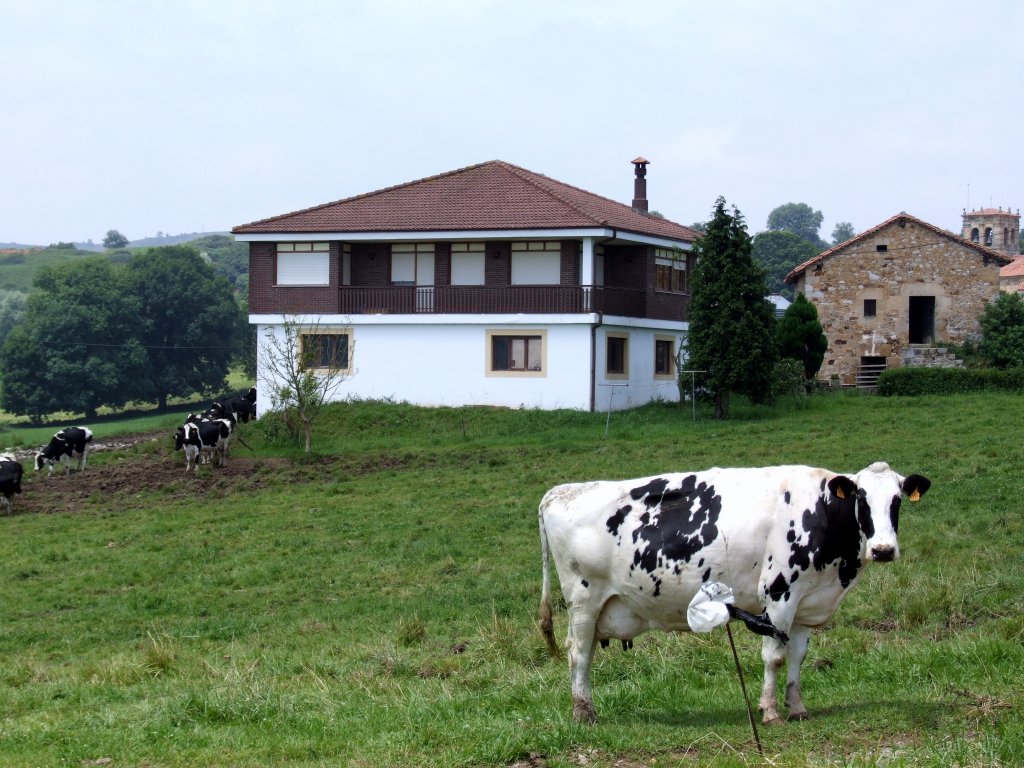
(949, 381)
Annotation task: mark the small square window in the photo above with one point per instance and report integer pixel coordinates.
(882, 248)
(870, 307)
(325, 350)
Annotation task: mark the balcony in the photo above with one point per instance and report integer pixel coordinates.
(488, 300)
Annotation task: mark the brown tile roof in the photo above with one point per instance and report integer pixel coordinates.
(1014, 269)
(489, 196)
(996, 255)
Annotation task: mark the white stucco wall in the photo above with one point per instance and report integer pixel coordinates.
(443, 360)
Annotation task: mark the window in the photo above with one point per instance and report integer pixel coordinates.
(467, 264)
(664, 357)
(303, 264)
(870, 307)
(325, 350)
(882, 248)
(669, 271)
(412, 264)
(617, 357)
(536, 262)
(521, 353)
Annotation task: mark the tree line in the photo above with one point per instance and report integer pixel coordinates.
(102, 331)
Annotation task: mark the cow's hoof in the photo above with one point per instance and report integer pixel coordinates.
(799, 715)
(772, 720)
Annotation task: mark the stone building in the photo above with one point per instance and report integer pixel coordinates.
(994, 228)
(895, 295)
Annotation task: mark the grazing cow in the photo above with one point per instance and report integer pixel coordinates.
(10, 480)
(205, 438)
(238, 407)
(791, 541)
(251, 397)
(68, 444)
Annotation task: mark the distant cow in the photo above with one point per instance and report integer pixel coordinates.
(67, 445)
(239, 407)
(10, 480)
(205, 438)
(791, 541)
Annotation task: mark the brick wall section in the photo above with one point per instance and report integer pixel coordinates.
(370, 263)
(442, 264)
(624, 267)
(267, 298)
(498, 264)
(917, 262)
(570, 267)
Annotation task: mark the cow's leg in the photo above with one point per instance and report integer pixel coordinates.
(799, 639)
(773, 653)
(581, 655)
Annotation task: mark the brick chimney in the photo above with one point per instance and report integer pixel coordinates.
(640, 185)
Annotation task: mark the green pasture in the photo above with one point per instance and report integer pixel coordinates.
(374, 605)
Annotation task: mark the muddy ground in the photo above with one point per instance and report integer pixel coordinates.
(137, 464)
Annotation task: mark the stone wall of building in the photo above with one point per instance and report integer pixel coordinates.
(881, 272)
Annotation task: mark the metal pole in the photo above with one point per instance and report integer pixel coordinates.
(743, 687)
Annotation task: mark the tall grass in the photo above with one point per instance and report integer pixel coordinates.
(374, 607)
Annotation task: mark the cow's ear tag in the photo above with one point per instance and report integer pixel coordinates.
(915, 496)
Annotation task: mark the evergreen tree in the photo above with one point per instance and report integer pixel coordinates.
(1002, 329)
(731, 324)
(799, 336)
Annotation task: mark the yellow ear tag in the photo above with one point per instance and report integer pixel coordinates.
(840, 494)
(915, 496)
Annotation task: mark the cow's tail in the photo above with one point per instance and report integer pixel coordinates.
(544, 619)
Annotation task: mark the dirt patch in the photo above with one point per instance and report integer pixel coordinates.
(140, 464)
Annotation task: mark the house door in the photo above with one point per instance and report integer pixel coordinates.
(922, 319)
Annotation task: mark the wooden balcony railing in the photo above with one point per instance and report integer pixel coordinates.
(485, 300)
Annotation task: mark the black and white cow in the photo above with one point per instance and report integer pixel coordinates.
(238, 407)
(10, 480)
(216, 413)
(66, 445)
(204, 438)
(790, 540)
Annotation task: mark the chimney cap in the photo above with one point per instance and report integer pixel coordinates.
(640, 161)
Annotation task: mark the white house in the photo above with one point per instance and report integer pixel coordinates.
(487, 285)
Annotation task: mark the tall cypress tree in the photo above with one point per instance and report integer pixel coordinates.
(732, 326)
(799, 336)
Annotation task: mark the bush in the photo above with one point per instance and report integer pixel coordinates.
(911, 382)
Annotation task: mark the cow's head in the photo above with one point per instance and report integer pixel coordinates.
(880, 492)
(179, 438)
(41, 460)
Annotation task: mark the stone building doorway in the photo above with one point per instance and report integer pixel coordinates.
(922, 319)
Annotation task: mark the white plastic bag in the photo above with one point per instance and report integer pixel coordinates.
(709, 607)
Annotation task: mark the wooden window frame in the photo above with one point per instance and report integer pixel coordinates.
(659, 342)
(529, 336)
(608, 372)
(320, 333)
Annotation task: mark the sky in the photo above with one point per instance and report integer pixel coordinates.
(177, 116)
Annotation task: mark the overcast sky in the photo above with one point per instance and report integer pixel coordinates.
(179, 116)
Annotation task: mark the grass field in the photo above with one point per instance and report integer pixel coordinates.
(374, 606)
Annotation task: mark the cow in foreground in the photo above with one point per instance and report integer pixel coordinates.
(67, 445)
(791, 541)
(10, 480)
(204, 438)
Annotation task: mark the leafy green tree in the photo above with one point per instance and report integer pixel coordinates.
(778, 251)
(1002, 329)
(12, 309)
(114, 240)
(799, 336)
(189, 323)
(229, 258)
(842, 232)
(731, 324)
(76, 347)
(800, 219)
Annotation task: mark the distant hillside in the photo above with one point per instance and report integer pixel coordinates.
(147, 242)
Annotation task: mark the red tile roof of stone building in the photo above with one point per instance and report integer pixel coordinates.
(996, 255)
(489, 196)
(1014, 269)
(991, 212)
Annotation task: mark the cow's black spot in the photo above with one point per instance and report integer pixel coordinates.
(682, 521)
(617, 519)
(778, 589)
(894, 513)
(790, 535)
(770, 558)
(864, 514)
(794, 576)
(657, 586)
(706, 575)
(833, 536)
(787, 496)
(700, 563)
(584, 582)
